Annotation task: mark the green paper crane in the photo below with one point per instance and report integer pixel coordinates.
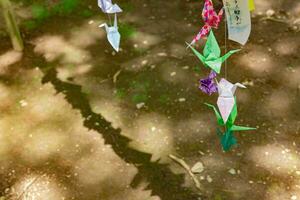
(227, 138)
(211, 57)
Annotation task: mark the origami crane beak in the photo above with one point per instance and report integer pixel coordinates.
(235, 86)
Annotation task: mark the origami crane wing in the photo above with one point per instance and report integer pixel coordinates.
(226, 56)
(241, 128)
(219, 118)
(107, 6)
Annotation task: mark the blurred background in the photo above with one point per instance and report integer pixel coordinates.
(80, 121)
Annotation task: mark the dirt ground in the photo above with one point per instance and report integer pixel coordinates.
(80, 122)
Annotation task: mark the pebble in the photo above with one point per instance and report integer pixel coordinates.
(173, 74)
(23, 103)
(162, 54)
(232, 171)
(270, 12)
(182, 100)
(140, 105)
(198, 168)
(209, 179)
(144, 62)
(294, 197)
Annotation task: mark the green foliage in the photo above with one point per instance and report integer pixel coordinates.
(120, 93)
(39, 12)
(65, 7)
(86, 13)
(126, 31)
(139, 98)
(31, 24)
(164, 99)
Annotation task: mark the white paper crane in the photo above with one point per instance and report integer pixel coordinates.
(226, 97)
(108, 7)
(113, 34)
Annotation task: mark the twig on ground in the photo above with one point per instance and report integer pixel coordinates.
(183, 164)
(115, 77)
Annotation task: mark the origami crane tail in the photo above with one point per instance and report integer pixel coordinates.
(202, 33)
(219, 118)
(199, 55)
(228, 140)
(241, 128)
(227, 55)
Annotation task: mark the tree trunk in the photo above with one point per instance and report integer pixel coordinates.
(12, 26)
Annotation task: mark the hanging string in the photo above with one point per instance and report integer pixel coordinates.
(225, 43)
(110, 24)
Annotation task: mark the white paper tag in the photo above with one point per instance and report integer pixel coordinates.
(238, 20)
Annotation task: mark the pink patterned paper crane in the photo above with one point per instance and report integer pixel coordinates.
(211, 20)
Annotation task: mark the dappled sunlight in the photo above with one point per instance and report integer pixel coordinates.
(281, 191)
(258, 60)
(86, 126)
(292, 77)
(38, 187)
(9, 58)
(87, 34)
(41, 144)
(263, 6)
(278, 103)
(50, 131)
(102, 101)
(278, 159)
(288, 46)
(56, 47)
(102, 165)
(145, 40)
(66, 71)
(153, 133)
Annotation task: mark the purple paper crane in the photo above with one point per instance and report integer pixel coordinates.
(208, 84)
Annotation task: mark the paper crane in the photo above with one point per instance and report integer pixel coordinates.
(113, 34)
(107, 7)
(211, 54)
(227, 138)
(226, 97)
(210, 18)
